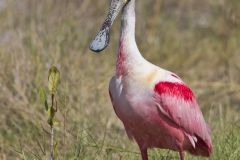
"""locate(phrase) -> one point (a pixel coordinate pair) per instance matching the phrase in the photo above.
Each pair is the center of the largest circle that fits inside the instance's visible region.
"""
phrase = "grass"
(198, 40)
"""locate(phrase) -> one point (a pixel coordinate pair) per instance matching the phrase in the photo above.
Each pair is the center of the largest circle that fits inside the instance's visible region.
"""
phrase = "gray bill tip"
(101, 40)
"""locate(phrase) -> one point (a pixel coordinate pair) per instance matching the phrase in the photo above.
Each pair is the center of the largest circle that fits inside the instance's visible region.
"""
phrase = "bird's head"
(101, 40)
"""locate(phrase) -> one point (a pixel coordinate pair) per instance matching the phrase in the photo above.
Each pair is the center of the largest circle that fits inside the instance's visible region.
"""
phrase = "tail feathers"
(202, 148)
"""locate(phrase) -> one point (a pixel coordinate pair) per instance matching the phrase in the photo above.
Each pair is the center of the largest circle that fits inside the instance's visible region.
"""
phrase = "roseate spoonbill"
(157, 108)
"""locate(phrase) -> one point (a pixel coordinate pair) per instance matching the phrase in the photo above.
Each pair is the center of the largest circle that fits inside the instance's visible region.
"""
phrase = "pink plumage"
(157, 108)
(178, 103)
(166, 117)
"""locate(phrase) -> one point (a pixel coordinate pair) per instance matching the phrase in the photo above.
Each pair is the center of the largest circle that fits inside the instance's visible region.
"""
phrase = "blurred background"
(198, 40)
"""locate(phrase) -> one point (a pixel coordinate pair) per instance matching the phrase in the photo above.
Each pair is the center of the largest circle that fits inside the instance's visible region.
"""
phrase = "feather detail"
(178, 103)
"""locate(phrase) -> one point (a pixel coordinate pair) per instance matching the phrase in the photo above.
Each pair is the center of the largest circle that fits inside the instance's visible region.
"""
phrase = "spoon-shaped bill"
(101, 40)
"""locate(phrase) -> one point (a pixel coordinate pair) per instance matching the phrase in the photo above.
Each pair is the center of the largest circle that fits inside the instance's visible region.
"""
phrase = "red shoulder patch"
(174, 89)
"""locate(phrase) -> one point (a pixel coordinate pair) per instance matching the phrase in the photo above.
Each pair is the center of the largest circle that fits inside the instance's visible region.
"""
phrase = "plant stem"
(52, 95)
(52, 130)
(52, 144)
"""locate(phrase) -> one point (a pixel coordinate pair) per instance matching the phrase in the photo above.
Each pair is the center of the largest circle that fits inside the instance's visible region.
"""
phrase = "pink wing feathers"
(178, 103)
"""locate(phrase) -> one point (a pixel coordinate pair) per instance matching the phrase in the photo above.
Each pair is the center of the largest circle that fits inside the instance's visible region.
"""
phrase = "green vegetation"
(198, 40)
(53, 82)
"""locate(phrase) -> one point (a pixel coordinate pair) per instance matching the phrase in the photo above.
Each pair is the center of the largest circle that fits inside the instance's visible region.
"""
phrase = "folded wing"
(177, 102)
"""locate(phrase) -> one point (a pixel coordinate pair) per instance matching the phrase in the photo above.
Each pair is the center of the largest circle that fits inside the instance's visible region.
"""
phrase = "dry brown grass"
(198, 40)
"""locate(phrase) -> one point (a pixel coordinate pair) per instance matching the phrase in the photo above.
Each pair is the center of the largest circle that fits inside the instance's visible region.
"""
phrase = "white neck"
(128, 21)
(128, 53)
